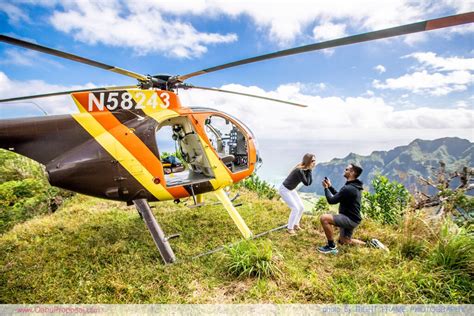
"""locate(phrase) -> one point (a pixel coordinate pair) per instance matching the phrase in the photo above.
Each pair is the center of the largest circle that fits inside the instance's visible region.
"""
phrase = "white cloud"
(53, 105)
(426, 118)
(438, 76)
(381, 69)
(432, 61)
(19, 57)
(311, 88)
(328, 31)
(150, 26)
(22, 57)
(436, 84)
(145, 30)
(414, 39)
(461, 29)
(328, 52)
(369, 93)
(14, 13)
(462, 104)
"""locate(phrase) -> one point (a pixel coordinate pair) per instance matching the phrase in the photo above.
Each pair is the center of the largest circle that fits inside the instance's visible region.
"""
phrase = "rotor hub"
(162, 82)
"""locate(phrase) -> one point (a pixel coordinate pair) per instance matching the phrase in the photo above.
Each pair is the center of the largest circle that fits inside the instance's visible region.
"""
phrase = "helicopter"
(111, 148)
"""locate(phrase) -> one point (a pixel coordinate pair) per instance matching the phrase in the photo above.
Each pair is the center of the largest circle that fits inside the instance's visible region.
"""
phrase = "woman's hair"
(306, 162)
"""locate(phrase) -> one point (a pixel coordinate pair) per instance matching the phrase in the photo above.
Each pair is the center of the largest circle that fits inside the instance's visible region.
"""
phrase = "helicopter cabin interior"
(228, 141)
(182, 153)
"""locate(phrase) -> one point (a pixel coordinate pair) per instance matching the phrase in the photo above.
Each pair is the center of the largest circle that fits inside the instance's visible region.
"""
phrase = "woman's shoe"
(291, 232)
(298, 227)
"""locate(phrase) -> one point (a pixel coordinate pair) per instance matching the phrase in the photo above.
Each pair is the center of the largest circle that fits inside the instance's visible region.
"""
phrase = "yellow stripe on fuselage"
(120, 153)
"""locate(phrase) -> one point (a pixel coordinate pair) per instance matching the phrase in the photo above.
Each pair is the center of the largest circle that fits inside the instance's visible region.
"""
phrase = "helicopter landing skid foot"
(155, 230)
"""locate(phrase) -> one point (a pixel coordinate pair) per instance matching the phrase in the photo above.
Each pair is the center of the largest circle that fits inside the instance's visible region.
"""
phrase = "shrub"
(261, 187)
(387, 203)
(22, 200)
(321, 206)
(24, 190)
(16, 167)
(460, 205)
(454, 250)
(252, 259)
(12, 192)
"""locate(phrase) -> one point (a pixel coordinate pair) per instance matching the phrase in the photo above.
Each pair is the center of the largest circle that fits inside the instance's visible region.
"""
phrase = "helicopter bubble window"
(229, 142)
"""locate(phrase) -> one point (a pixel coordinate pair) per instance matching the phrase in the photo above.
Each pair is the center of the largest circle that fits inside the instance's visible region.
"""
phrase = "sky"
(362, 97)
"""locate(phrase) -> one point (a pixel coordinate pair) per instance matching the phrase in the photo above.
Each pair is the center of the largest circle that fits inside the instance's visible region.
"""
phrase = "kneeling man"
(349, 199)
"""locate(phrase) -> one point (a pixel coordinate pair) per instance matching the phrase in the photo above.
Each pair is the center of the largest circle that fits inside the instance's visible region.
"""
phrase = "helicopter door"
(229, 141)
(181, 153)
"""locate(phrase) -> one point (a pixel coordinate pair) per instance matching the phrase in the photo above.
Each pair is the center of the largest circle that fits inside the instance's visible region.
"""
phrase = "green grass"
(454, 250)
(96, 251)
(252, 259)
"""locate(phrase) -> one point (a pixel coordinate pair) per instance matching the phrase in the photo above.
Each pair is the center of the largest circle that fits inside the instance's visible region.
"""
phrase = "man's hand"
(326, 183)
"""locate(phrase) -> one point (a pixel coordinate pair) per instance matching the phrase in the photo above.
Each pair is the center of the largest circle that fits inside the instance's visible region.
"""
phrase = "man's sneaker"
(327, 249)
(377, 244)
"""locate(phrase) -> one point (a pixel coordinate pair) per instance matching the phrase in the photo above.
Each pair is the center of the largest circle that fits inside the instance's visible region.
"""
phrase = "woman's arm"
(306, 176)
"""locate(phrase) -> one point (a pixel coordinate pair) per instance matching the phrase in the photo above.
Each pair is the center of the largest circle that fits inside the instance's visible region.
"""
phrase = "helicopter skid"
(155, 230)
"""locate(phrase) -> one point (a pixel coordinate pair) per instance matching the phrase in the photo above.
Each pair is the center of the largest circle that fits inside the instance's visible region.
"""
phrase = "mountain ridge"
(403, 163)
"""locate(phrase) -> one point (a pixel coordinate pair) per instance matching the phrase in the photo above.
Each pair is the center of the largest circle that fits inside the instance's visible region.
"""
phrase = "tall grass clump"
(454, 250)
(252, 259)
(259, 186)
(412, 248)
(415, 233)
(388, 202)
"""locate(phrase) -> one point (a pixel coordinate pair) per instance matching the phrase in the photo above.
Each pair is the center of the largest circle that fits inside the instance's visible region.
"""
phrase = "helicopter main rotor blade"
(370, 36)
(187, 86)
(66, 92)
(58, 53)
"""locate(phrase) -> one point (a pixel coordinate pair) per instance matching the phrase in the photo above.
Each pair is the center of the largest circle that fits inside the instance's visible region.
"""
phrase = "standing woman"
(301, 173)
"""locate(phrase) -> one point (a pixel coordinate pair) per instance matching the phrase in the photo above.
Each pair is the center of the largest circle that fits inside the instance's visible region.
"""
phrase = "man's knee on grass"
(345, 240)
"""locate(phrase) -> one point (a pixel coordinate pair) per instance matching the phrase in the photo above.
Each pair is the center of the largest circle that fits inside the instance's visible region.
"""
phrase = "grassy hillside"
(96, 251)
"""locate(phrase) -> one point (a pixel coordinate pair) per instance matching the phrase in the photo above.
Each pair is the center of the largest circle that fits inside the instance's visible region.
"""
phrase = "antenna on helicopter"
(34, 103)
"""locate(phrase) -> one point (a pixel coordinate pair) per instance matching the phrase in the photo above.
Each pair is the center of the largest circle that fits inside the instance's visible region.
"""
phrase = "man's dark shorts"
(345, 224)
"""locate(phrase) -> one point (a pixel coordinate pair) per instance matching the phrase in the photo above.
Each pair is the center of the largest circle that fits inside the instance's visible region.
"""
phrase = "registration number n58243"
(139, 100)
